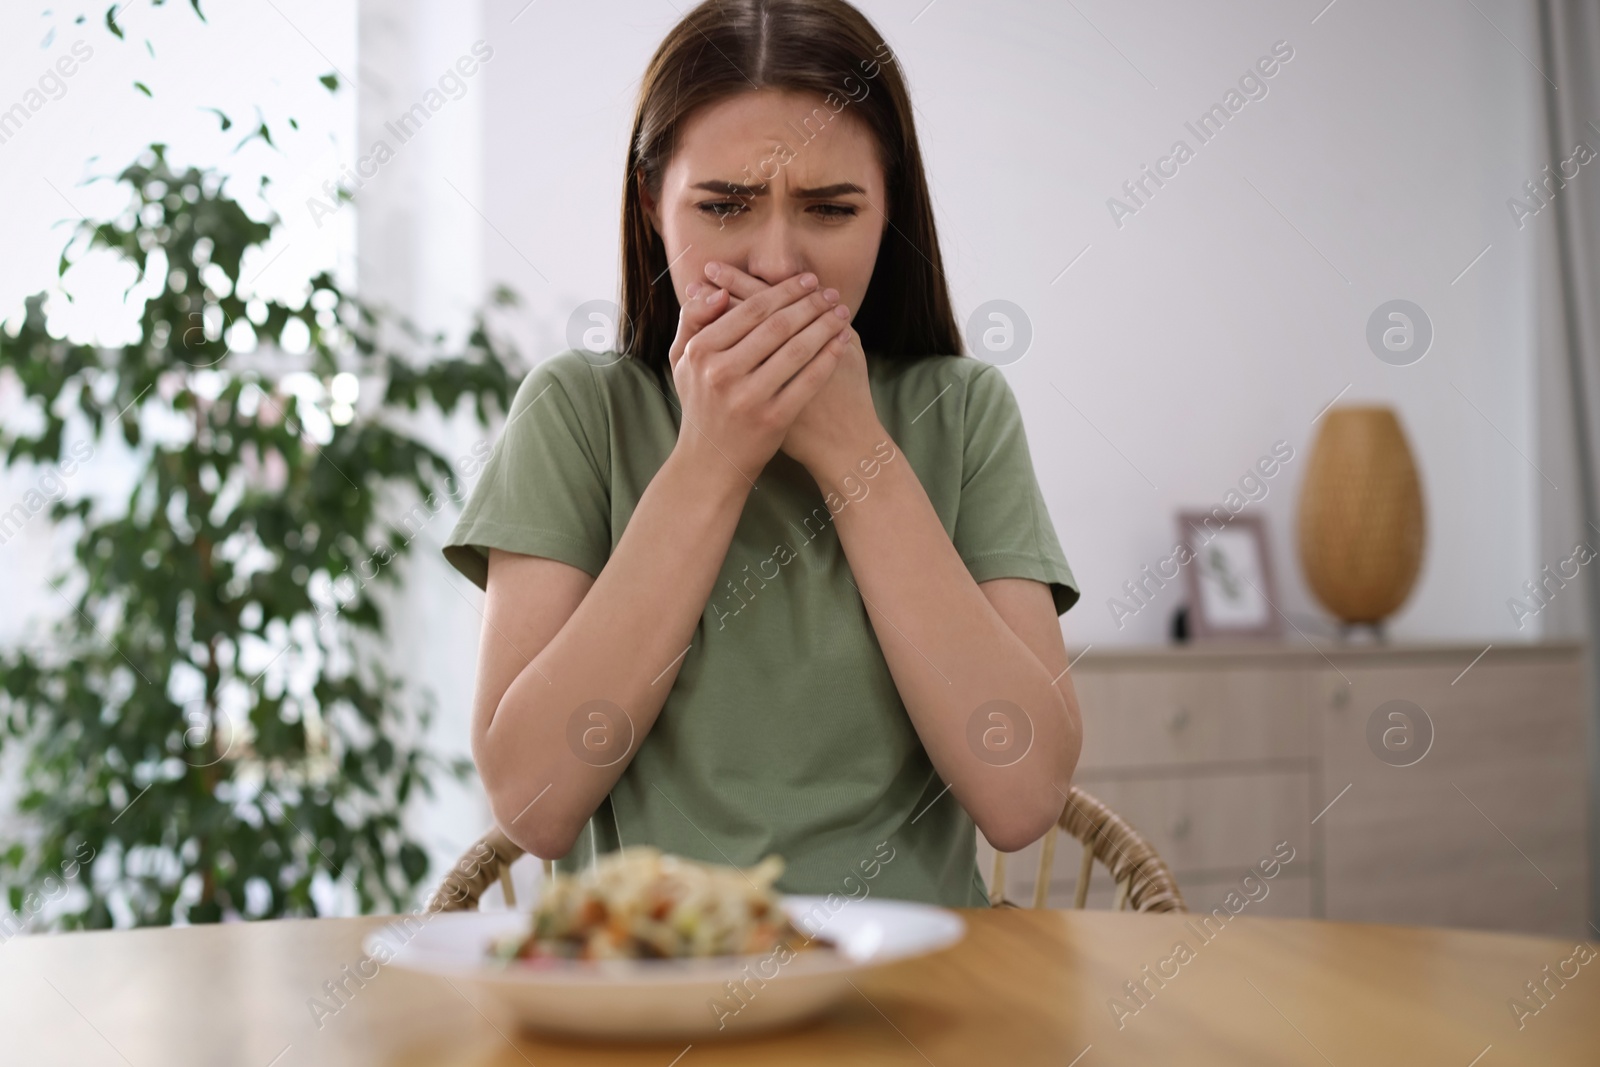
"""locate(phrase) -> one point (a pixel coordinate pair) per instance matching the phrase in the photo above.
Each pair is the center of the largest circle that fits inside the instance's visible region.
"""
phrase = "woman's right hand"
(743, 374)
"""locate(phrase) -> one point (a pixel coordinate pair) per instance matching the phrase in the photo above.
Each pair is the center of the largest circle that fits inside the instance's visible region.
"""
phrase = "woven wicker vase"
(1361, 516)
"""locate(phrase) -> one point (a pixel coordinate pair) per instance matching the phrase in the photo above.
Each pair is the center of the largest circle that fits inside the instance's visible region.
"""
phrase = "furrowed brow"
(821, 192)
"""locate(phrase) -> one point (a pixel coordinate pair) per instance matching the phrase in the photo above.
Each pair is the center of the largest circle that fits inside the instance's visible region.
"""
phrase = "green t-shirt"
(784, 732)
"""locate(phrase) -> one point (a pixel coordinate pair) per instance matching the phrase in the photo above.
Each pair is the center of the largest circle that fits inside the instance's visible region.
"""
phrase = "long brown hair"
(725, 47)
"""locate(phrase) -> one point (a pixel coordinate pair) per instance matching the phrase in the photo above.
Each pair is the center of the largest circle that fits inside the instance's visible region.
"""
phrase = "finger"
(810, 378)
(798, 350)
(739, 284)
(731, 328)
(769, 336)
(738, 295)
(699, 311)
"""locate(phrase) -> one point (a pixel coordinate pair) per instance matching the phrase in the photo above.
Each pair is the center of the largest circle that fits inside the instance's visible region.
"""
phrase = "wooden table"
(1024, 987)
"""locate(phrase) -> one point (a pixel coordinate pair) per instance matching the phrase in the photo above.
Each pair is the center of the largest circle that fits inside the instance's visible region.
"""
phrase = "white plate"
(645, 999)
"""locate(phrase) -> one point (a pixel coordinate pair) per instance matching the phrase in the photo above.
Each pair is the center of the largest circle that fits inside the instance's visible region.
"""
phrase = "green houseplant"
(212, 727)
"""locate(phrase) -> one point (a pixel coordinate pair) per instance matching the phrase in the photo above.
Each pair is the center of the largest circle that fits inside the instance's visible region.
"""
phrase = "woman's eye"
(724, 209)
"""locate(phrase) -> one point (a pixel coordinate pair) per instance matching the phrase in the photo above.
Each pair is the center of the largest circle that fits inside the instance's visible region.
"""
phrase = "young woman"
(776, 576)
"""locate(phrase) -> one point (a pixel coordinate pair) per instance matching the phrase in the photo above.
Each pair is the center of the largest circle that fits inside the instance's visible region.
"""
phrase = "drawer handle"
(1180, 829)
(1179, 721)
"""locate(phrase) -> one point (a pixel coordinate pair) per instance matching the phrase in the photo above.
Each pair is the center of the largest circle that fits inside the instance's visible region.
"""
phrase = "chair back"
(487, 861)
(1143, 880)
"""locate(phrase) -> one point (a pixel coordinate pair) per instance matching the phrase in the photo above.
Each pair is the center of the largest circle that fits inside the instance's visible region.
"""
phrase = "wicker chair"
(488, 860)
(1142, 878)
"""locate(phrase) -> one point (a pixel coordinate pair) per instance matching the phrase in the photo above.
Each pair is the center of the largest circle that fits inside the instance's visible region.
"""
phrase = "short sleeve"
(1003, 529)
(545, 489)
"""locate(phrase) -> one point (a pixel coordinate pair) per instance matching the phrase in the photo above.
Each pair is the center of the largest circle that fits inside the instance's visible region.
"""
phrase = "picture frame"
(1232, 589)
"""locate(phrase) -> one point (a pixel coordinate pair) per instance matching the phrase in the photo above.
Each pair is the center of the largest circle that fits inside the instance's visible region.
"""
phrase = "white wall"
(420, 250)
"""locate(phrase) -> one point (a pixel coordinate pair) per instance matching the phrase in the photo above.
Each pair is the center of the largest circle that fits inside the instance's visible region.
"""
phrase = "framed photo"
(1230, 582)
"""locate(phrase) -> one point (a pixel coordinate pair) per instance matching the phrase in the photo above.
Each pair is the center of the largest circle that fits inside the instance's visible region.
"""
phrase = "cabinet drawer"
(1288, 896)
(1141, 717)
(1486, 828)
(1212, 825)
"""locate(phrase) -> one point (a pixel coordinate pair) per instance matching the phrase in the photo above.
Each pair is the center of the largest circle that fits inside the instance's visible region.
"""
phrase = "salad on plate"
(641, 903)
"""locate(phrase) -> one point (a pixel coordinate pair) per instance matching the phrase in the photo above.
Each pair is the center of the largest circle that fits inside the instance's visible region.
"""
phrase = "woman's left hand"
(840, 424)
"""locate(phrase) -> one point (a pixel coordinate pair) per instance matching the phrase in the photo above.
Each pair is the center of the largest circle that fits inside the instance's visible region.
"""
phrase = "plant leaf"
(158, 589)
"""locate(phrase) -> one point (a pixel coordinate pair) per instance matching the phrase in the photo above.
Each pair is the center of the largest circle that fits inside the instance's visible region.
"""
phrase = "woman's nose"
(774, 252)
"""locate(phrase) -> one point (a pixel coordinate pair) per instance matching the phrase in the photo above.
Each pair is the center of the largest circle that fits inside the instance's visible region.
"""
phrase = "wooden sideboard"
(1217, 753)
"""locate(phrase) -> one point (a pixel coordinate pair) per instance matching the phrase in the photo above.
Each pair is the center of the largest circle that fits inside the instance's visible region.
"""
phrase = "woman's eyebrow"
(821, 192)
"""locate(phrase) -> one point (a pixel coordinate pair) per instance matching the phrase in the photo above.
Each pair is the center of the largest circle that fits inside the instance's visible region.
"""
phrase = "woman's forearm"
(955, 661)
(623, 645)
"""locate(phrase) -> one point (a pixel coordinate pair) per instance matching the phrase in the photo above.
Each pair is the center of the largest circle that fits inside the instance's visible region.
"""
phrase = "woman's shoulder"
(902, 379)
(591, 378)
(915, 368)
(572, 368)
